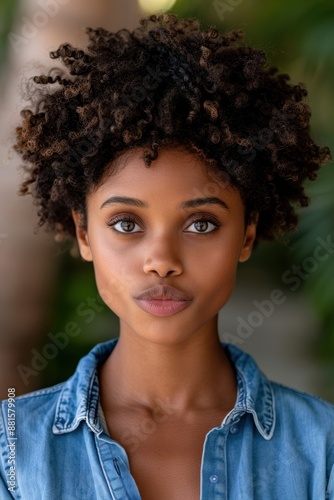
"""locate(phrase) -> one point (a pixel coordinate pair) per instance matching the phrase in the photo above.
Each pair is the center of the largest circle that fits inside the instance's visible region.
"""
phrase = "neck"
(193, 374)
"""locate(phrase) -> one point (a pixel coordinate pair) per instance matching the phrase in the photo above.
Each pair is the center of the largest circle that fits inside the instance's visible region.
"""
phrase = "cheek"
(114, 273)
(216, 275)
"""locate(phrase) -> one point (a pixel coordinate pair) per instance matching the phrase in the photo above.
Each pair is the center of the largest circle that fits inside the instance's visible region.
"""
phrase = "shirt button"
(213, 478)
(234, 429)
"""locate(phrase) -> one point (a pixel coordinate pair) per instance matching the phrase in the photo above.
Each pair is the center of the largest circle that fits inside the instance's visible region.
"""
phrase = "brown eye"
(127, 225)
(124, 225)
(201, 226)
(204, 225)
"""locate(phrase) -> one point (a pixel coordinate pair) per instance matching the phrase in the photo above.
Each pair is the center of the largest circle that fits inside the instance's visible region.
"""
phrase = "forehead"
(174, 168)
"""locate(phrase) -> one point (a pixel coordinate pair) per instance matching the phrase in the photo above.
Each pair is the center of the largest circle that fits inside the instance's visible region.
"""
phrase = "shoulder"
(73, 391)
(281, 411)
(303, 405)
(32, 408)
(40, 393)
(26, 430)
(287, 400)
(37, 396)
(305, 423)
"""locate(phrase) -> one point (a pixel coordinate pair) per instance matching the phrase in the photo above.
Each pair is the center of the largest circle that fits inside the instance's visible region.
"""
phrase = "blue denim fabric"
(276, 443)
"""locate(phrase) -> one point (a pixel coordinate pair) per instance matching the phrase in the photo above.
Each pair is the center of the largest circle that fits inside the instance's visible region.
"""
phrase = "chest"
(165, 453)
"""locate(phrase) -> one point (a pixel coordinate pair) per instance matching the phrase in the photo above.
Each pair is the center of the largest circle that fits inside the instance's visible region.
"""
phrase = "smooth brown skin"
(167, 382)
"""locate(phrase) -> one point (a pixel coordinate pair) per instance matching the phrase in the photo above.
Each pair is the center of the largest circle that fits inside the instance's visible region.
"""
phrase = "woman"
(168, 152)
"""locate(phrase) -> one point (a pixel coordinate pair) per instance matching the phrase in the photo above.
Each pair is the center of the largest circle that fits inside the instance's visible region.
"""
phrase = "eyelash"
(130, 218)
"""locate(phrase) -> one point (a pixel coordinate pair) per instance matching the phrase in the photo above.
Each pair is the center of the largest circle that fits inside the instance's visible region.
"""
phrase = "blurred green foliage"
(7, 14)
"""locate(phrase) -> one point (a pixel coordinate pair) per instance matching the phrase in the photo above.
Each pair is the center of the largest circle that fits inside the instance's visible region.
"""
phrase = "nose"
(162, 258)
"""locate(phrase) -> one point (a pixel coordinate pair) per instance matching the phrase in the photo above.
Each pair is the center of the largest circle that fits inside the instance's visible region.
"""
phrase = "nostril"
(163, 269)
(163, 274)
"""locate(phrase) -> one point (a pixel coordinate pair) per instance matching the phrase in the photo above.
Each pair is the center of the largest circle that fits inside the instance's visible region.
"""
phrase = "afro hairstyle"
(167, 83)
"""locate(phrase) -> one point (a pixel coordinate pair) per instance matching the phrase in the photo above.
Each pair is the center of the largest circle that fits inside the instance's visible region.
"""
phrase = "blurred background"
(282, 310)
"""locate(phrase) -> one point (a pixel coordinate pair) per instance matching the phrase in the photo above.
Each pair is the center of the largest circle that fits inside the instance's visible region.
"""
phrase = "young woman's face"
(159, 226)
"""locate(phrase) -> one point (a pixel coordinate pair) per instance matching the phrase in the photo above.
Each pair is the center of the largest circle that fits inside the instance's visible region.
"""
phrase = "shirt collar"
(255, 393)
(79, 396)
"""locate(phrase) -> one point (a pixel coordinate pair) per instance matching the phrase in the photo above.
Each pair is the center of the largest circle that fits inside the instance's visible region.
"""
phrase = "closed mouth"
(163, 292)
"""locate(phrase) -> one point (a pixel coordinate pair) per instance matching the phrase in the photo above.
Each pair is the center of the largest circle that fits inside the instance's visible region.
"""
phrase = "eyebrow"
(195, 203)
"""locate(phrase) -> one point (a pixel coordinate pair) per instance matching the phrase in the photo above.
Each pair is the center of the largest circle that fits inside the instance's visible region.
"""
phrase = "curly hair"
(166, 83)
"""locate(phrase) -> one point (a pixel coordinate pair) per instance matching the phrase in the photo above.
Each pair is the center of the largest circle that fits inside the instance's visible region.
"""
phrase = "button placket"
(213, 470)
(115, 468)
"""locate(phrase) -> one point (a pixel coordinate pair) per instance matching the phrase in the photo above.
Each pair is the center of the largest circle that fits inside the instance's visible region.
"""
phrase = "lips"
(163, 300)
(163, 292)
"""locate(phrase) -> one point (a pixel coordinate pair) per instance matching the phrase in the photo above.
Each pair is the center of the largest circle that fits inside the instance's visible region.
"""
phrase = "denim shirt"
(276, 443)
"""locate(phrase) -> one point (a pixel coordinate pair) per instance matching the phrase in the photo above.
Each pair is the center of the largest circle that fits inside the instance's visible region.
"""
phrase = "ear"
(82, 237)
(248, 243)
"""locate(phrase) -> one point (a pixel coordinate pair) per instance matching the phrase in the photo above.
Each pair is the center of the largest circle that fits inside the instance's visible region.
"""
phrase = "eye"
(126, 225)
(205, 225)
